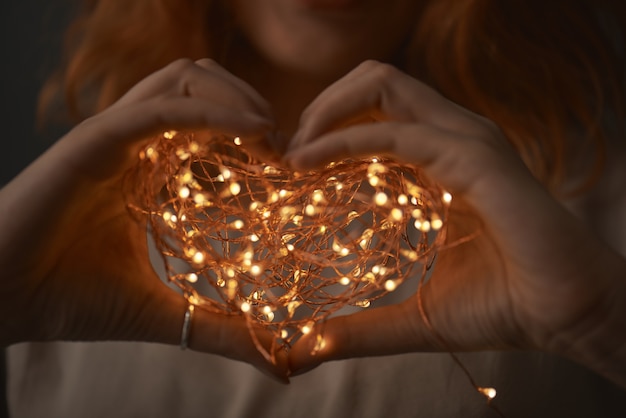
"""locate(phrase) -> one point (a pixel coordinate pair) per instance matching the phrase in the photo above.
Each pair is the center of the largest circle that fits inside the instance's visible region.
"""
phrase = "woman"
(318, 71)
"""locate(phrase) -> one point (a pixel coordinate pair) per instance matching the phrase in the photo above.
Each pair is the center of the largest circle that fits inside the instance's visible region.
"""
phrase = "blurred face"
(325, 38)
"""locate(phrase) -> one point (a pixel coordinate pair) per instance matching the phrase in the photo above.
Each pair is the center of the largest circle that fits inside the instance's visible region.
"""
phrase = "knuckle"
(207, 63)
(179, 65)
(380, 70)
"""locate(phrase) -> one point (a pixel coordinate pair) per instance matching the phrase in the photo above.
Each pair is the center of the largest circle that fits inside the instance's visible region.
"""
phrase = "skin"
(537, 288)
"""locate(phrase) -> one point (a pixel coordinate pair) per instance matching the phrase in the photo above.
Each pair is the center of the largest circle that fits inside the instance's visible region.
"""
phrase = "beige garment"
(67, 380)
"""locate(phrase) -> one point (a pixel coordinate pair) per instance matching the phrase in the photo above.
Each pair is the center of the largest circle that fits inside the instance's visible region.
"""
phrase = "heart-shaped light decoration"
(284, 250)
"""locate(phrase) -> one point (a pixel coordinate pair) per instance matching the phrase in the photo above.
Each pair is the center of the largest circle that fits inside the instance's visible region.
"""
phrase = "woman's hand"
(535, 277)
(74, 265)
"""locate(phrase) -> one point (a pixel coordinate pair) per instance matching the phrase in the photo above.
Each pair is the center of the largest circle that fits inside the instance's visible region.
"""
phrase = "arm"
(74, 263)
(535, 278)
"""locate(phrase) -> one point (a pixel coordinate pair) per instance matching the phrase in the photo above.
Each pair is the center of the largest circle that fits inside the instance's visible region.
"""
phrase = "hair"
(549, 73)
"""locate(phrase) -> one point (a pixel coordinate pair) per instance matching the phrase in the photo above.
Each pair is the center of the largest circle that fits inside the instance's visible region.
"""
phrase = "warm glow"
(285, 250)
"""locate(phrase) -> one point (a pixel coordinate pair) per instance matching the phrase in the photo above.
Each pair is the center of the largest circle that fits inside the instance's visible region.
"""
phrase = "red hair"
(547, 72)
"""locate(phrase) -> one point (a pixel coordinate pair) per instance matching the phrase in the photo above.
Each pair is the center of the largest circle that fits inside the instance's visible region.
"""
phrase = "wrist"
(598, 342)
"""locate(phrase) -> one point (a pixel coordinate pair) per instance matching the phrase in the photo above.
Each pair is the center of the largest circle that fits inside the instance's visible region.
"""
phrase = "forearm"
(599, 342)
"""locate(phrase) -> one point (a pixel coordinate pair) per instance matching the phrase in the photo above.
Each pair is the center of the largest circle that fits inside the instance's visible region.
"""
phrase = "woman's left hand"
(535, 278)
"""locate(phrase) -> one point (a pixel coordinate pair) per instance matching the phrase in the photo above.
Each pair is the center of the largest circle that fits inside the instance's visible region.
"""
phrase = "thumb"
(209, 332)
(373, 332)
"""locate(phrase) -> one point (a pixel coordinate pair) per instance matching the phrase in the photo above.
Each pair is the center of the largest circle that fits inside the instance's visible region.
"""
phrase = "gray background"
(31, 42)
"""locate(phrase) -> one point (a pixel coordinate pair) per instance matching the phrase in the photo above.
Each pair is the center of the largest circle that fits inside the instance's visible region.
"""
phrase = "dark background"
(32, 39)
(31, 44)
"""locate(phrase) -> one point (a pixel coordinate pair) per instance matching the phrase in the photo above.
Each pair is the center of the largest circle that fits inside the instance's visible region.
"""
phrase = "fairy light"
(284, 250)
(489, 393)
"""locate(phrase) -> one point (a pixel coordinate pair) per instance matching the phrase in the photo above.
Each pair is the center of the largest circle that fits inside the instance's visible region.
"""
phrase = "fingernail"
(302, 370)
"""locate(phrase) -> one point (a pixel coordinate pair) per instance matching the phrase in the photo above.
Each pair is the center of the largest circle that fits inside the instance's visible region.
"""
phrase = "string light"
(284, 250)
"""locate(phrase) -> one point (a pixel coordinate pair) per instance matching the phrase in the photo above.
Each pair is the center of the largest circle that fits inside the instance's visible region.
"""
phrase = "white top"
(150, 380)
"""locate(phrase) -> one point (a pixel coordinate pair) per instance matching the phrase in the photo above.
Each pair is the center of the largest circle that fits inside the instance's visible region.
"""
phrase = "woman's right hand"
(74, 264)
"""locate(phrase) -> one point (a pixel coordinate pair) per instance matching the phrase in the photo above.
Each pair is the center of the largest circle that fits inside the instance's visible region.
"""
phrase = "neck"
(288, 92)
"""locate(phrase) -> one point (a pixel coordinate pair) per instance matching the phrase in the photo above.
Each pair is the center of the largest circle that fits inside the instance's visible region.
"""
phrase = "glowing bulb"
(192, 277)
(447, 198)
(245, 307)
(199, 199)
(198, 257)
(390, 285)
(363, 303)
(396, 215)
(490, 393)
(307, 328)
(381, 198)
(238, 224)
(403, 199)
(187, 177)
(344, 281)
(234, 188)
(237, 140)
(320, 343)
(376, 168)
(169, 134)
(255, 270)
(184, 192)
(318, 196)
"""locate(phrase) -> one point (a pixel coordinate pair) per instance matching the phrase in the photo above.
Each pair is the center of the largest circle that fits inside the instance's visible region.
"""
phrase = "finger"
(108, 142)
(374, 332)
(223, 335)
(379, 91)
(203, 79)
(421, 145)
(479, 170)
(261, 105)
